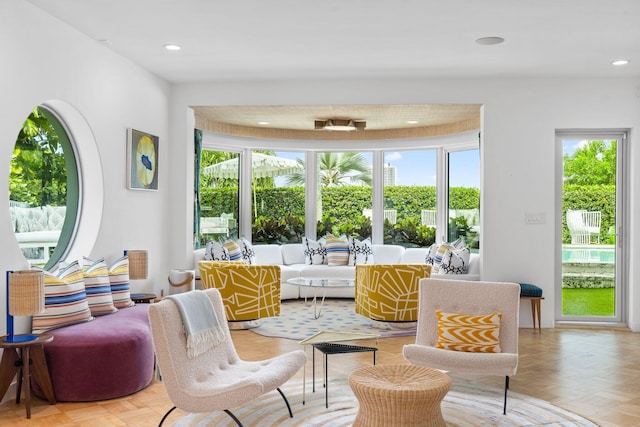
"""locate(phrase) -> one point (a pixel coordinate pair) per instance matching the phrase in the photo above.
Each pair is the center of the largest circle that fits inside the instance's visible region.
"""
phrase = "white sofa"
(290, 258)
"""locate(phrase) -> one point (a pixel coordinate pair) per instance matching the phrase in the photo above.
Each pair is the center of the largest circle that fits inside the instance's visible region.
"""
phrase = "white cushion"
(292, 253)
(414, 256)
(268, 254)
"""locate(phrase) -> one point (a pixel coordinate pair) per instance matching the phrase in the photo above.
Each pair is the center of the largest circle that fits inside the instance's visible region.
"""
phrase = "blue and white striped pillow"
(337, 250)
(97, 286)
(65, 300)
(119, 281)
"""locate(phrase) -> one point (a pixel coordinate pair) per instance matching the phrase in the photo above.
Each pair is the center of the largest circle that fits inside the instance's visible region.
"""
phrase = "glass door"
(591, 287)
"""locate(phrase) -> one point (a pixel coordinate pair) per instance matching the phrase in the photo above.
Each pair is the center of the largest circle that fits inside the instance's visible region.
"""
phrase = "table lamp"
(25, 297)
(137, 264)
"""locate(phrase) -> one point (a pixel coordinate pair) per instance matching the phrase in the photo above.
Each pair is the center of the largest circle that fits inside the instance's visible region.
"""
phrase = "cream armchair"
(469, 299)
(249, 292)
(216, 379)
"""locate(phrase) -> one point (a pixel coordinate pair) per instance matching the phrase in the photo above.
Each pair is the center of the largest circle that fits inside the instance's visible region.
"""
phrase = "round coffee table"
(320, 284)
(402, 395)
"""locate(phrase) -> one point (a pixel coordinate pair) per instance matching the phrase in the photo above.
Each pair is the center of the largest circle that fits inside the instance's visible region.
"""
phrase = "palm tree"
(337, 169)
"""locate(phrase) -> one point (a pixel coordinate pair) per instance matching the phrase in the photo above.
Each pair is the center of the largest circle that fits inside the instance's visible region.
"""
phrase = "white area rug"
(338, 315)
(462, 407)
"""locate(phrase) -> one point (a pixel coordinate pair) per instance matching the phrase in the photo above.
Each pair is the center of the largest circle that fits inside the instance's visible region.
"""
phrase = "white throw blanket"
(200, 322)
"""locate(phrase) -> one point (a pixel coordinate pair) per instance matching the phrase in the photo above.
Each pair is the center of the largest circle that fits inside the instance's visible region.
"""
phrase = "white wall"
(44, 60)
(520, 117)
(111, 94)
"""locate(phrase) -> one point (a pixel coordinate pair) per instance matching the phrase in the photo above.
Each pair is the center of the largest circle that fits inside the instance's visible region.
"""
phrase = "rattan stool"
(399, 395)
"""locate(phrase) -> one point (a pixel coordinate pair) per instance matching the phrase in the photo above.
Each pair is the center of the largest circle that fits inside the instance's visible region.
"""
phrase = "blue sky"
(419, 167)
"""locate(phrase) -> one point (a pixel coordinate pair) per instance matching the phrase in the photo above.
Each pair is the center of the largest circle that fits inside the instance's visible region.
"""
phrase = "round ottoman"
(399, 395)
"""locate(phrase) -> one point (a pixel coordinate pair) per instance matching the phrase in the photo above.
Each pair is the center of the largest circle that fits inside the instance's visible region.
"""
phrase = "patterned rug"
(464, 406)
(296, 321)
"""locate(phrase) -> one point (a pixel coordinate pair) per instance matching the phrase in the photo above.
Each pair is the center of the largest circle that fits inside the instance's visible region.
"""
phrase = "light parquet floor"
(592, 372)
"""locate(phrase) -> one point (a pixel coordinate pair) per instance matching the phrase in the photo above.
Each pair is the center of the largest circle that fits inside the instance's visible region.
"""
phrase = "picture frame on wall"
(142, 160)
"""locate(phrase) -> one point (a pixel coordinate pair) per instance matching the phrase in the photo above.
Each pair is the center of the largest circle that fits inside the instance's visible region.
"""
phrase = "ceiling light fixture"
(620, 62)
(264, 123)
(488, 41)
(171, 46)
(412, 122)
(340, 124)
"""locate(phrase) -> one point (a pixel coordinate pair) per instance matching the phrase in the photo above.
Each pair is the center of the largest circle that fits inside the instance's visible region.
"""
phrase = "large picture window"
(425, 194)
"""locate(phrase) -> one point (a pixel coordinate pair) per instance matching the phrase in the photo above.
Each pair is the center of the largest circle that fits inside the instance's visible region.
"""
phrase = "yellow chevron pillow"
(462, 332)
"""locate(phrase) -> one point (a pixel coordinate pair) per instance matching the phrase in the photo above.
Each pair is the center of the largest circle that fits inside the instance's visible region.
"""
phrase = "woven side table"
(399, 395)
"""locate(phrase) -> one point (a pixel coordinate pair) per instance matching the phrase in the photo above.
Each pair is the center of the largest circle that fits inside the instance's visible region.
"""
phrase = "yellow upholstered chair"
(249, 292)
(389, 292)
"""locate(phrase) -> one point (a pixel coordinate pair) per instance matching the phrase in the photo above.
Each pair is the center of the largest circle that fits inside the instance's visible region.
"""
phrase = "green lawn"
(588, 302)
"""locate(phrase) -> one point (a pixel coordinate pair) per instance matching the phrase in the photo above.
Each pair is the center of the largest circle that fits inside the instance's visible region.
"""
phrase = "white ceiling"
(287, 39)
(241, 40)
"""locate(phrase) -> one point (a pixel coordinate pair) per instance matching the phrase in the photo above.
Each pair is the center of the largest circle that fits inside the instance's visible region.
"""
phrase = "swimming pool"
(597, 254)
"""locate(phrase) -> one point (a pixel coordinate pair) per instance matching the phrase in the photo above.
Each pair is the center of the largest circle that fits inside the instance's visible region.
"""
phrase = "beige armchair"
(216, 379)
(470, 299)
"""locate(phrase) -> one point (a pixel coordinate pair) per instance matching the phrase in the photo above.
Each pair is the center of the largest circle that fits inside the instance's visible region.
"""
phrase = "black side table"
(334, 348)
(143, 298)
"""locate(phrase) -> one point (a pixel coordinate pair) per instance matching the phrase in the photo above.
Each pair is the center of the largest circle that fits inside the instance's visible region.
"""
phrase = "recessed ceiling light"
(172, 47)
(487, 41)
(620, 62)
(264, 123)
(412, 122)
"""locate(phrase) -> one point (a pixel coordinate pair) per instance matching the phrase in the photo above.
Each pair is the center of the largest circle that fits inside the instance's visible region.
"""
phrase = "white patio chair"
(577, 227)
(593, 220)
(428, 217)
(391, 215)
(214, 225)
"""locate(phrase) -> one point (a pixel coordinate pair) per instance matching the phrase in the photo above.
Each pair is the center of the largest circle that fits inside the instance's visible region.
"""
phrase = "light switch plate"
(535, 218)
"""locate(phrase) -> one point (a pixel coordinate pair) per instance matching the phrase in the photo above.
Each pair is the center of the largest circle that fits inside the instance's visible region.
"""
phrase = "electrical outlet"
(534, 218)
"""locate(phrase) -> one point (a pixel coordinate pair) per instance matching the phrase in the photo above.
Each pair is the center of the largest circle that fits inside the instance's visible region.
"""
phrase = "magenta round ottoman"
(108, 357)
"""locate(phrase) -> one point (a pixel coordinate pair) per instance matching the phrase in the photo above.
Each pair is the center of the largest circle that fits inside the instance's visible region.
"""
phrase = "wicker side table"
(399, 395)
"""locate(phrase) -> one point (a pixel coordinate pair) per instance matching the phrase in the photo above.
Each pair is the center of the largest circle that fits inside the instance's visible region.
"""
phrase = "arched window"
(43, 188)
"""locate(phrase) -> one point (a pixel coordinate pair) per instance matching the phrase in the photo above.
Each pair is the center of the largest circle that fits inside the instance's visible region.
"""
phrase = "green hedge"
(343, 202)
(286, 205)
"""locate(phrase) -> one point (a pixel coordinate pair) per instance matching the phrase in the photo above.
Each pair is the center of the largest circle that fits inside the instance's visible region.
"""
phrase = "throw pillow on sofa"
(233, 248)
(65, 300)
(119, 281)
(455, 261)
(360, 252)
(337, 250)
(437, 250)
(97, 286)
(215, 252)
(315, 252)
(246, 248)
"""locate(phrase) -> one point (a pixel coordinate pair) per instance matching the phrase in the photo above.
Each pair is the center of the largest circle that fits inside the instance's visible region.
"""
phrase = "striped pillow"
(119, 281)
(98, 286)
(65, 300)
(463, 332)
(337, 250)
(233, 248)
